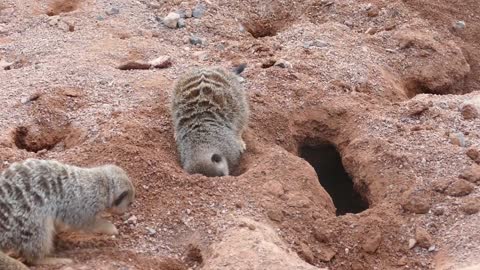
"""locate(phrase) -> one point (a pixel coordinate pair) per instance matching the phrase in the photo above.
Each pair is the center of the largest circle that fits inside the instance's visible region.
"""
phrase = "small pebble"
(163, 61)
(194, 40)
(283, 63)
(431, 248)
(33, 97)
(471, 206)
(402, 261)
(471, 174)
(474, 154)
(5, 65)
(112, 11)
(423, 238)
(151, 231)
(131, 220)
(54, 20)
(326, 254)
(199, 10)
(306, 253)
(181, 23)
(459, 25)
(470, 109)
(171, 20)
(457, 138)
(371, 31)
(373, 11)
(411, 243)
(438, 211)
(460, 188)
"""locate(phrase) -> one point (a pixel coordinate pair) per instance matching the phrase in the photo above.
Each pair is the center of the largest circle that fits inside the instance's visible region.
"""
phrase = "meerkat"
(210, 113)
(36, 195)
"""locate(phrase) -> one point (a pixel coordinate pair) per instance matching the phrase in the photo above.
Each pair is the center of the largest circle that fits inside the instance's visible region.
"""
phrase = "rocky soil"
(393, 86)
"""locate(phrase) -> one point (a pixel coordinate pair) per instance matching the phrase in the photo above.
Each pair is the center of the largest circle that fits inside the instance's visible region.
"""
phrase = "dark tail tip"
(239, 69)
(216, 158)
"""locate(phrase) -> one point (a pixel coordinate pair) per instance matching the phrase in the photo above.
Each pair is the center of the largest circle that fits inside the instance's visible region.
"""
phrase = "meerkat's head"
(208, 163)
(121, 190)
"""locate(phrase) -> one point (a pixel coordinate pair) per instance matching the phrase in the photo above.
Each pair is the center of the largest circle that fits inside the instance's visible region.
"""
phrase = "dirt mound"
(257, 242)
(361, 148)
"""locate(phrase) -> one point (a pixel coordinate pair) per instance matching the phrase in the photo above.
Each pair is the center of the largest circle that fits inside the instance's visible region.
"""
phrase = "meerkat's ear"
(239, 69)
(120, 198)
(216, 158)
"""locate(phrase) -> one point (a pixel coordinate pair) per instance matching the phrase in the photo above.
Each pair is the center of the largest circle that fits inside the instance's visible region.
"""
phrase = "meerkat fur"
(210, 113)
(37, 195)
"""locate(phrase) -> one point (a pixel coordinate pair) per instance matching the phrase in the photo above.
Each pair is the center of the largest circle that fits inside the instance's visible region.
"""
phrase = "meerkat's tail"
(9, 263)
(239, 69)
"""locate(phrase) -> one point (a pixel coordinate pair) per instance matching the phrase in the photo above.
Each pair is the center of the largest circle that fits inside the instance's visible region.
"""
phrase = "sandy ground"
(394, 86)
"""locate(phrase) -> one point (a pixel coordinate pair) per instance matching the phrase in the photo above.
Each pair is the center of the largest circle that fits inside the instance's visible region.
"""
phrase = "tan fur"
(37, 196)
(210, 113)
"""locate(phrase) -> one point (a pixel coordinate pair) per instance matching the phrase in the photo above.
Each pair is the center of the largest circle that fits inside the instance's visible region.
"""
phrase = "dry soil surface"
(393, 86)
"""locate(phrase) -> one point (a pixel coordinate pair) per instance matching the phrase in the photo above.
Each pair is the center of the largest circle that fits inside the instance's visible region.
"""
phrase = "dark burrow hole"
(327, 162)
(24, 140)
(46, 138)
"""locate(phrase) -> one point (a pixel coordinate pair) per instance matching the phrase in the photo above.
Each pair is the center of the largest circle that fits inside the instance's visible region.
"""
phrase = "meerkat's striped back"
(209, 108)
(26, 186)
(208, 97)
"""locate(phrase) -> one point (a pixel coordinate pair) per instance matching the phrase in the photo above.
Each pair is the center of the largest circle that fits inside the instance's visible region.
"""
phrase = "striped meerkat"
(36, 195)
(210, 113)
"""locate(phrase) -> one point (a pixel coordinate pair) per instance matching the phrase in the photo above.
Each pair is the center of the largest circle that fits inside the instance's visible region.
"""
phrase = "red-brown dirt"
(385, 82)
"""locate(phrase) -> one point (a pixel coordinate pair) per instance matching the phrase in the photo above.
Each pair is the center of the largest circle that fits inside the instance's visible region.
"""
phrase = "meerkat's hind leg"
(41, 244)
(103, 226)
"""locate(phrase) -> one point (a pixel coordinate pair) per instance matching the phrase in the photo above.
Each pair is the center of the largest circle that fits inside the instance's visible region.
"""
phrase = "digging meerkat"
(36, 195)
(210, 113)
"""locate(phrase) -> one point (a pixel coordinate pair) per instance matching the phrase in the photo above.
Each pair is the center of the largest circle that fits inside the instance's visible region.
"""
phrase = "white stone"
(171, 20)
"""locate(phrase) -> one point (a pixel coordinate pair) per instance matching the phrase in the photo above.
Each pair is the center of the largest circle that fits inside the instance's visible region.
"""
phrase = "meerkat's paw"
(243, 145)
(52, 261)
(104, 227)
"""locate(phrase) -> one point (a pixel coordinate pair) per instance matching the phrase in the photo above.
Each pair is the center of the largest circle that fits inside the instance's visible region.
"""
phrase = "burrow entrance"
(327, 162)
(46, 138)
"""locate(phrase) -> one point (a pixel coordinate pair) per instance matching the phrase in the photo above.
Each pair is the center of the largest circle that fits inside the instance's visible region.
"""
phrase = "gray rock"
(194, 40)
(171, 20)
(185, 13)
(459, 25)
(199, 10)
(181, 23)
(112, 11)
